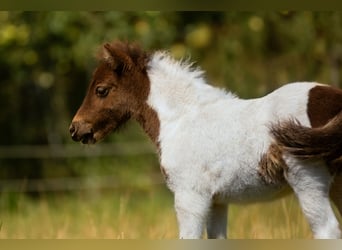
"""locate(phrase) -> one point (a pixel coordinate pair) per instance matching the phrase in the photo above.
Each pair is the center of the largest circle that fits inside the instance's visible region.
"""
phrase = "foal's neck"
(176, 88)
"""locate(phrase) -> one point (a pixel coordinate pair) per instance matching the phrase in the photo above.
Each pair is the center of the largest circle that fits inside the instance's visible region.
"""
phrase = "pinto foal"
(216, 148)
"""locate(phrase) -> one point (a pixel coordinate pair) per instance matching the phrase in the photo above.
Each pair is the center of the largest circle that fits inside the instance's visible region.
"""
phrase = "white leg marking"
(310, 181)
(192, 210)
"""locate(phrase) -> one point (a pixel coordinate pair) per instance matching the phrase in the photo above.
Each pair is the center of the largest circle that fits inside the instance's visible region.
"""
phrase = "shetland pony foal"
(215, 148)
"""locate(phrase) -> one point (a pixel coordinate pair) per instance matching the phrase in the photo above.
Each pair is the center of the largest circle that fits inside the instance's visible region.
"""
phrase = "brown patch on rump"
(324, 103)
(272, 167)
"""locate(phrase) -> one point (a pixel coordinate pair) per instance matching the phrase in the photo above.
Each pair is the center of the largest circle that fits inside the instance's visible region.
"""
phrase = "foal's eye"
(102, 91)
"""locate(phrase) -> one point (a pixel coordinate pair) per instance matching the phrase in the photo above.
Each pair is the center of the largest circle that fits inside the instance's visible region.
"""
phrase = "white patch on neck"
(175, 87)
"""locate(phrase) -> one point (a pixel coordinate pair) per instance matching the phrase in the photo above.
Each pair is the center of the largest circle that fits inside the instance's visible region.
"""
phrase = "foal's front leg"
(192, 211)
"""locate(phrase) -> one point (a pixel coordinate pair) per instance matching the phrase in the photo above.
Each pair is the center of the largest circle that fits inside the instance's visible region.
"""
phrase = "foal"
(216, 148)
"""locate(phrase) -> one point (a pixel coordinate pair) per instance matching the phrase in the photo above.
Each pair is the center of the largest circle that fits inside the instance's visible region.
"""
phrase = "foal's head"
(117, 91)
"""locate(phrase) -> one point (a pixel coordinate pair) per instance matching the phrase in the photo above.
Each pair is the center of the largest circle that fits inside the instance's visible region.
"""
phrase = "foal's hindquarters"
(313, 185)
(310, 179)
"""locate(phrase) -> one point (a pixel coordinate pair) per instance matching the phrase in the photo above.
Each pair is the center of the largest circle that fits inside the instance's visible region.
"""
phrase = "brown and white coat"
(216, 148)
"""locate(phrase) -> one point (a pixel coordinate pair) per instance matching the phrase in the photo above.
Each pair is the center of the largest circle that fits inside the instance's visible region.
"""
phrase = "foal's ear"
(117, 58)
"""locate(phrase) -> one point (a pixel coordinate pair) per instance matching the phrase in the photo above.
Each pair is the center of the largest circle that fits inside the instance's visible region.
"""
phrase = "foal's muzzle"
(82, 131)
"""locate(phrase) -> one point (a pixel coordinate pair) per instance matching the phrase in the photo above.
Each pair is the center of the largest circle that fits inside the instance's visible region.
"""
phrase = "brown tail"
(312, 143)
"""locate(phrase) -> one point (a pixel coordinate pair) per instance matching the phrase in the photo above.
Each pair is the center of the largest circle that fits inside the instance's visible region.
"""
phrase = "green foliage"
(47, 59)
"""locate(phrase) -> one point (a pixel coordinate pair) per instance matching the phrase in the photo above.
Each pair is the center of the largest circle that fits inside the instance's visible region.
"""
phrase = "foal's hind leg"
(336, 192)
(310, 181)
(217, 222)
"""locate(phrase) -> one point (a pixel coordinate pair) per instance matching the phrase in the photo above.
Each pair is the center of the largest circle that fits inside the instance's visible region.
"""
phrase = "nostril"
(72, 129)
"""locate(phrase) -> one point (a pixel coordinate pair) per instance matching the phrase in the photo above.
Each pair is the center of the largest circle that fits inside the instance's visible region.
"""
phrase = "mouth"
(88, 133)
(94, 137)
(88, 139)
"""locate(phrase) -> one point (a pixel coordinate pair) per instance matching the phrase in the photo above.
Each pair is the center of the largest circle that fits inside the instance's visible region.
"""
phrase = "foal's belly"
(252, 192)
(266, 194)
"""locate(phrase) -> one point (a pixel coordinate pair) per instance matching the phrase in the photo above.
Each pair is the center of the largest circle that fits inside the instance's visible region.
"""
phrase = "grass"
(87, 215)
(279, 219)
(135, 214)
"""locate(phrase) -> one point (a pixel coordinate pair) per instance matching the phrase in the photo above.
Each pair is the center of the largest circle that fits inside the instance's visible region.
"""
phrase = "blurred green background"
(46, 60)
